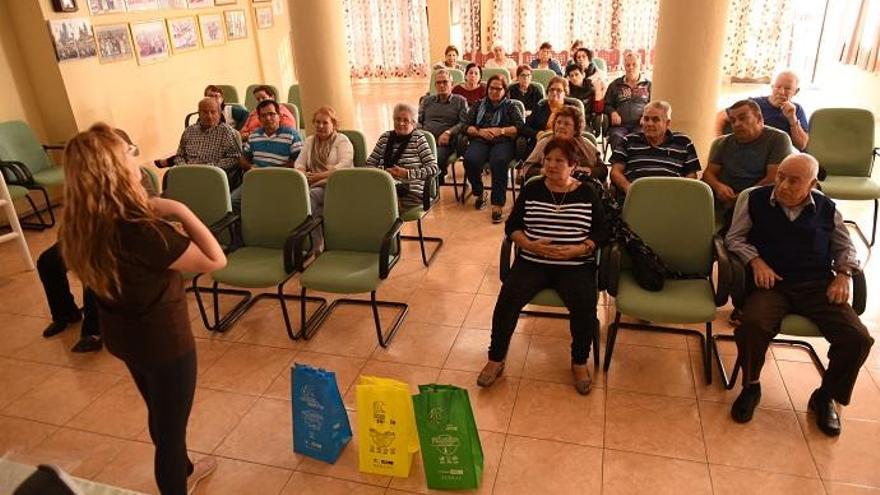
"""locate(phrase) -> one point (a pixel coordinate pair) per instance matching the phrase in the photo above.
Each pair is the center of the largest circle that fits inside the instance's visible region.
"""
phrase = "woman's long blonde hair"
(100, 191)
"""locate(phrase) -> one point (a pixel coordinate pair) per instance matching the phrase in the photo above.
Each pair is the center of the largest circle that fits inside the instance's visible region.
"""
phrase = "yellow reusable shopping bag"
(386, 425)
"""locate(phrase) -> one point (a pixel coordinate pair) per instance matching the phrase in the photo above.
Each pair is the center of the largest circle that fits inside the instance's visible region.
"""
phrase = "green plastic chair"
(205, 191)
(487, 73)
(543, 77)
(25, 162)
(361, 245)
(431, 196)
(842, 139)
(250, 102)
(456, 75)
(793, 324)
(153, 177)
(275, 219)
(296, 115)
(293, 95)
(675, 217)
(359, 143)
(230, 94)
(570, 101)
(600, 64)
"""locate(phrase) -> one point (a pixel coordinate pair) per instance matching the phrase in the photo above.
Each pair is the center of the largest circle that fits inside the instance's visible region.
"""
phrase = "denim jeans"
(499, 156)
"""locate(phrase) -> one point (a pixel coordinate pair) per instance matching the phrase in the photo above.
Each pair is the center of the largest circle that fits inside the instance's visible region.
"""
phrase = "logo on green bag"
(447, 445)
(437, 416)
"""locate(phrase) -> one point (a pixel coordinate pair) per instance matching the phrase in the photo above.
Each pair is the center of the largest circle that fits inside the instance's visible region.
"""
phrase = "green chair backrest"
(152, 177)
(676, 218)
(202, 188)
(274, 202)
(230, 94)
(521, 105)
(487, 73)
(250, 102)
(571, 101)
(600, 64)
(842, 139)
(296, 115)
(540, 88)
(293, 95)
(432, 142)
(359, 143)
(18, 142)
(456, 75)
(591, 138)
(542, 77)
(360, 206)
(462, 64)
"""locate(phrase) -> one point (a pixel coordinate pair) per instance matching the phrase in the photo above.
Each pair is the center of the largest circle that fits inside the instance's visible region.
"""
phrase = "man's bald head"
(795, 178)
(209, 112)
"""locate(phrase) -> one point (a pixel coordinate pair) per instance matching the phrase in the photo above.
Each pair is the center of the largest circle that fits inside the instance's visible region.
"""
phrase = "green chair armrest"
(48, 147)
(224, 223)
(507, 249)
(431, 191)
(16, 173)
(860, 291)
(610, 267)
(385, 263)
(722, 291)
(295, 242)
(738, 275)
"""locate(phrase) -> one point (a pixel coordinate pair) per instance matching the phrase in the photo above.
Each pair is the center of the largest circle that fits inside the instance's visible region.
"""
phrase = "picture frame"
(236, 24)
(200, 4)
(172, 4)
(220, 3)
(212, 30)
(150, 41)
(141, 5)
(73, 38)
(64, 6)
(114, 43)
(100, 7)
(261, 1)
(264, 16)
(183, 33)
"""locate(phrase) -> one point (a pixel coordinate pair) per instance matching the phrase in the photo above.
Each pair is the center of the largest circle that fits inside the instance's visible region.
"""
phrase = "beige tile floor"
(650, 426)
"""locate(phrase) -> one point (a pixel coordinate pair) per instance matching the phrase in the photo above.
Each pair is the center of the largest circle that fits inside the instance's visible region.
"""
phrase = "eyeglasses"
(441, 82)
(268, 114)
(556, 90)
(496, 88)
(402, 120)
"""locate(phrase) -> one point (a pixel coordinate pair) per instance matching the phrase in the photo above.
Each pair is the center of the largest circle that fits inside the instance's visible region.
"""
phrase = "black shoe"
(481, 200)
(744, 405)
(736, 317)
(826, 416)
(60, 325)
(496, 216)
(89, 343)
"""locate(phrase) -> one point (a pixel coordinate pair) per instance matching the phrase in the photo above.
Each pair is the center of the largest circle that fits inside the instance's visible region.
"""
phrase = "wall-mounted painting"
(114, 43)
(172, 4)
(141, 5)
(264, 16)
(184, 33)
(236, 24)
(225, 2)
(98, 7)
(150, 41)
(211, 26)
(73, 38)
(198, 4)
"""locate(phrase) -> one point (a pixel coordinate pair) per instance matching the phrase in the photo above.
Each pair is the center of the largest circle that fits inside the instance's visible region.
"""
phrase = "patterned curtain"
(469, 11)
(387, 38)
(758, 38)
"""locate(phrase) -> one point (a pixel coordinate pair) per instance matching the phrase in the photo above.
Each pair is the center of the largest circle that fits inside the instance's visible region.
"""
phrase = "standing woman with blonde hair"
(116, 241)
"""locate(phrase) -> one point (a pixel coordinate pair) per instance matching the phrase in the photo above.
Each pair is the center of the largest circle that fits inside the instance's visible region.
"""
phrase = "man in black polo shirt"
(801, 258)
(653, 151)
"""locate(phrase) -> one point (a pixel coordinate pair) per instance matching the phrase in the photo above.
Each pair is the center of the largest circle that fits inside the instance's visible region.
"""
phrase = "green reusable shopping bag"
(451, 451)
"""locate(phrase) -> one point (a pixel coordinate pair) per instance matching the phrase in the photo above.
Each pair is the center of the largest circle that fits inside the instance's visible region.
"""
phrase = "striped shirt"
(418, 160)
(674, 157)
(562, 218)
(276, 150)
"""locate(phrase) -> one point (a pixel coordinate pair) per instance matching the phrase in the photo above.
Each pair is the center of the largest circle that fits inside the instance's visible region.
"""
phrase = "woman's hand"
(397, 172)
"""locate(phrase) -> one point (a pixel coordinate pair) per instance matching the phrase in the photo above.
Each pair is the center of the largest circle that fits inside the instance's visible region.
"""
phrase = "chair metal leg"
(215, 292)
(707, 353)
(422, 240)
(37, 212)
(612, 337)
(319, 318)
(728, 381)
(861, 233)
(565, 316)
(743, 364)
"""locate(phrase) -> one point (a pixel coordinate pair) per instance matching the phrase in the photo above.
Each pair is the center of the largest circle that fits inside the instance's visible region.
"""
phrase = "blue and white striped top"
(276, 150)
(674, 157)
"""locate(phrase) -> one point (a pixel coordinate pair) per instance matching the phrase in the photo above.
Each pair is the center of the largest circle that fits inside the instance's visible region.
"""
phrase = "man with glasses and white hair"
(443, 114)
(778, 110)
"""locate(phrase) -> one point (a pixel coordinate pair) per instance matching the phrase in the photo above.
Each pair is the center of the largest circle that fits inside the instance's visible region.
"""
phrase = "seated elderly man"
(801, 257)
(233, 115)
(252, 123)
(443, 114)
(625, 99)
(778, 110)
(211, 142)
(653, 151)
(272, 145)
(748, 157)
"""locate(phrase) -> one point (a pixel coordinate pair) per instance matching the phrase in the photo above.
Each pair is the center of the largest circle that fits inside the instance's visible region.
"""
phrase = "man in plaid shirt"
(211, 142)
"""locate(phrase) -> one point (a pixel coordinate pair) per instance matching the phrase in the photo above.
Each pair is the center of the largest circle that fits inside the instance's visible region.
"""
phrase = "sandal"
(583, 384)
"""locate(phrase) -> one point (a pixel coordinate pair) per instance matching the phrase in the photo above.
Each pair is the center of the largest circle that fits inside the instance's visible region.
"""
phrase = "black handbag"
(649, 269)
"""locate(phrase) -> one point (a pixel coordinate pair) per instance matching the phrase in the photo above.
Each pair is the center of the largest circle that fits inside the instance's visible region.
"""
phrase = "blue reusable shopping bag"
(320, 423)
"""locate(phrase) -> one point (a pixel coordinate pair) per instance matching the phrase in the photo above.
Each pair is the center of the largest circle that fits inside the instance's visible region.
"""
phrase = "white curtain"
(387, 38)
(758, 38)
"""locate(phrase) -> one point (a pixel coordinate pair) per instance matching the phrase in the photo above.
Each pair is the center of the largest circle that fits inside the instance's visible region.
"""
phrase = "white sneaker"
(201, 470)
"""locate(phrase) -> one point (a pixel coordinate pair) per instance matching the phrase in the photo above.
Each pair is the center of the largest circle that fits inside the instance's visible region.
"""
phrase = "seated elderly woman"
(523, 89)
(541, 119)
(322, 154)
(450, 59)
(491, 126)
(406, 155)
(558, 223)
(568, 123)
(499, 60)
(544, 59)
(471, 89)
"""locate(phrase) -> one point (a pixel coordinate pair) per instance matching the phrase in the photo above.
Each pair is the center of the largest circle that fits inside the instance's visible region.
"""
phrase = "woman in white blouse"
(500, 61)
(322, 154)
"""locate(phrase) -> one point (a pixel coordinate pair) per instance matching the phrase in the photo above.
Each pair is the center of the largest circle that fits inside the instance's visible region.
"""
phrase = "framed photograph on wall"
(142, 5)
(184, 33)
(73, 38)
(114, 43)
(264, 17)
(198, 4)
(150, 41)
(213, 32)
(64, 6)
(172, 4)
(98, 7)
(225, 2)
(236, 24)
